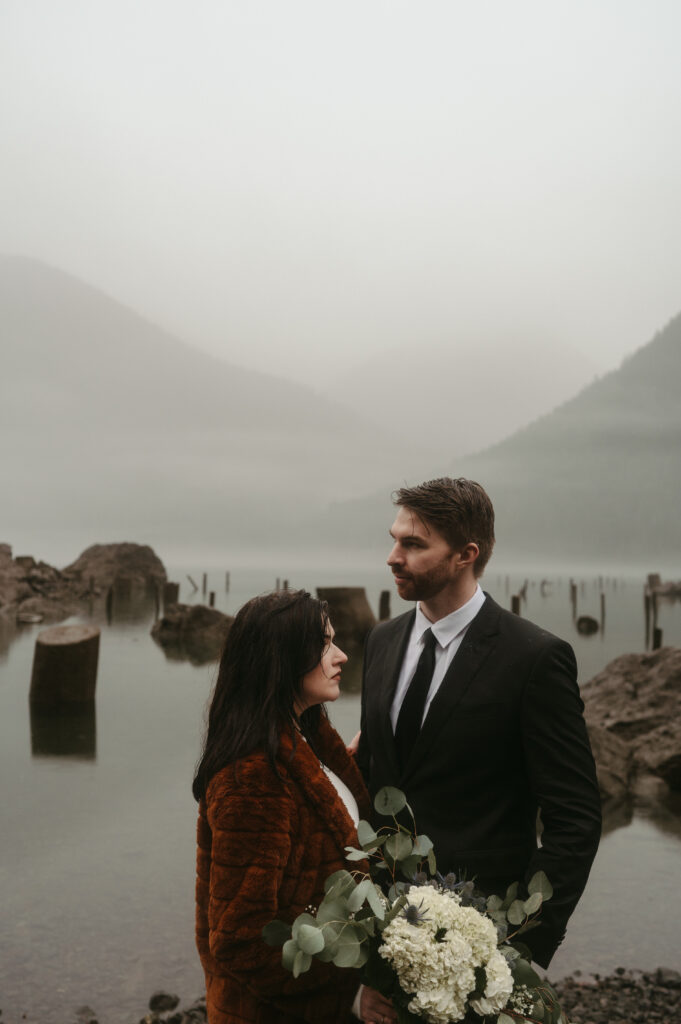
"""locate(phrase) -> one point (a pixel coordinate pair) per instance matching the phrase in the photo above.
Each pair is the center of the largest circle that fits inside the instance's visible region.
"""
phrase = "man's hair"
(458, 509)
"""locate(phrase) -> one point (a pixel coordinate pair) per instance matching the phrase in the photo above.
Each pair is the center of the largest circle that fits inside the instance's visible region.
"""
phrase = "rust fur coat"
(265, 849)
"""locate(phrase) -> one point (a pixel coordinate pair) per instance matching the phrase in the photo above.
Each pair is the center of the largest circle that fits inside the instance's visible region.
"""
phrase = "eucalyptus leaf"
(398, 846)
(300, 921)
(504, 1018)
(332, 910)
(348, 951)
(363, 956)
(339, 881)
(494, 903)
(524, 974)
(432, 863)
(422, 846)
(354, 854)
(365, 833)
(310, 939)
(516, 912)
(301, 963)
(356, 899)
(410, 866)
(540, 883)
(289, 953)
(511, 894)
(390, 801)
(533, 903)
(538, 1010)
(276, 933)
(375, 902)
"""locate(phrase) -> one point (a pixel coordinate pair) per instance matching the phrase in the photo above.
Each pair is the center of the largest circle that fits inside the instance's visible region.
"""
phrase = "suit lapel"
(477, 646)
(396, 646)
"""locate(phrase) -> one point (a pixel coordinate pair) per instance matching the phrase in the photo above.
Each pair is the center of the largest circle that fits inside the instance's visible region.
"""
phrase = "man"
(475, 714)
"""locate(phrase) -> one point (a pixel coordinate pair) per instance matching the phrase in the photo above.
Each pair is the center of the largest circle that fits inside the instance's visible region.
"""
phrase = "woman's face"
(323, 682)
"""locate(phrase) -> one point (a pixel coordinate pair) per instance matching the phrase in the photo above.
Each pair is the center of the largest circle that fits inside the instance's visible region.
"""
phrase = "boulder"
(614, 765)
(32, 589)
(108, 562)
(192, 632)
(637, 699)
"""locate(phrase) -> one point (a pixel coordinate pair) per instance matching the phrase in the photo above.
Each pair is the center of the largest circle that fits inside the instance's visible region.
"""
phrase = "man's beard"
(424, 585)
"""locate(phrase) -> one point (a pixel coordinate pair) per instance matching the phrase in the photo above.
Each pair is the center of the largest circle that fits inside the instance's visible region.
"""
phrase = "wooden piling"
(227, 581)
(384, 606)
(65, 666)
(204, 584)
(657, 638)
(515, 604)
(193, 583)
(211, 599)
(602, 611)
(285, 585)
(171, 593)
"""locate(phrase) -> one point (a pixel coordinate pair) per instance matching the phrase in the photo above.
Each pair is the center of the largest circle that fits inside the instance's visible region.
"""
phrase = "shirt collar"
(445, 630)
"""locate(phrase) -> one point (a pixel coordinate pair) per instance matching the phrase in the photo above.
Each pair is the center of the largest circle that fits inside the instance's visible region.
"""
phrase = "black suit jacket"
(503, 737)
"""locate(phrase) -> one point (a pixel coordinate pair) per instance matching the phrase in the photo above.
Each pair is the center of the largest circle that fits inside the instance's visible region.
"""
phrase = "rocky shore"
(31, 590)
(624, 997)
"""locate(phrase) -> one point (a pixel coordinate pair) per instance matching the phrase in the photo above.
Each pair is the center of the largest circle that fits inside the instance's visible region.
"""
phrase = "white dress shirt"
(449, 632)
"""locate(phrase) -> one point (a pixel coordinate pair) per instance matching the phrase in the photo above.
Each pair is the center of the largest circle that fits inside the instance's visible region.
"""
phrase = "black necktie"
(411, 713)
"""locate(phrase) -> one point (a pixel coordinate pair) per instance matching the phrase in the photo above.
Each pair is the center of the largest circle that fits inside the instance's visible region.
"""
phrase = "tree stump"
(65, 666)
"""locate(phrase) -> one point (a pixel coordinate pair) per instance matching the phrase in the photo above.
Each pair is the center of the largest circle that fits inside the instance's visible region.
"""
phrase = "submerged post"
(65, 666)
(515, 604)
(384, 606)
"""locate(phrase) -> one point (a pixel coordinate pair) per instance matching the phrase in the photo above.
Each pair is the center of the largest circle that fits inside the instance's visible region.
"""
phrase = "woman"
(279, 799)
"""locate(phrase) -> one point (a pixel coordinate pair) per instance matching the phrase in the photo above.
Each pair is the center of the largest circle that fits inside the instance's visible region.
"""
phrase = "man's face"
(421, 560)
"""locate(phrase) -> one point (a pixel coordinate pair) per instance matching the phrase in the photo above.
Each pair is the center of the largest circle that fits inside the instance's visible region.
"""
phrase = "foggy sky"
(298, 185)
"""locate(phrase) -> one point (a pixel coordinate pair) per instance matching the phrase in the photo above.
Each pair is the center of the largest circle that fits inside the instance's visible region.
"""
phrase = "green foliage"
(390, 801)
(516, 912)
(346, 928)
(310, 939)
(398, 846)
(539, 883)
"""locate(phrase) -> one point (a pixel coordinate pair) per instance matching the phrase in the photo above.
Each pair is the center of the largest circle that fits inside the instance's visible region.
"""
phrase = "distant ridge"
(110, 426)
(596, 480)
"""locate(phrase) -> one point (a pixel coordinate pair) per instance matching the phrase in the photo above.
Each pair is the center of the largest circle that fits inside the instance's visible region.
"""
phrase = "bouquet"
(435, 946)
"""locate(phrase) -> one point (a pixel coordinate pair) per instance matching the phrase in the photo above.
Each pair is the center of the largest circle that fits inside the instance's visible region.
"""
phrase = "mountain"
(111, 428)
(468, 391)
(596, 481)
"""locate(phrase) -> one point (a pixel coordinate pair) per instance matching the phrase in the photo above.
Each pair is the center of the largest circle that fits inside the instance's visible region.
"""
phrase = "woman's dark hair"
(274, 641)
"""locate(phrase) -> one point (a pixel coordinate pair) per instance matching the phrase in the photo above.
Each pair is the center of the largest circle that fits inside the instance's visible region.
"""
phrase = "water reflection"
(127, 602)
(67, 734)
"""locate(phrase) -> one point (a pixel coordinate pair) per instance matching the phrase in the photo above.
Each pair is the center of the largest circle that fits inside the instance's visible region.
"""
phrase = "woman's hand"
(353, 744)
(375, 1008)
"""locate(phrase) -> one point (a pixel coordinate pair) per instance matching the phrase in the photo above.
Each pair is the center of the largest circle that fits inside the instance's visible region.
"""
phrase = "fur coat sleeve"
(265, 848)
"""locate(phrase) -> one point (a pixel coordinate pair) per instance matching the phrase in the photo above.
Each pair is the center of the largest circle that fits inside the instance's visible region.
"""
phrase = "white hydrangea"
(441, 974)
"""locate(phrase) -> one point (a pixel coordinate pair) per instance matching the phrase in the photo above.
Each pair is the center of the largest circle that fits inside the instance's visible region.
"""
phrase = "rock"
(33, 588)
(614, 765)
(637, 698)
(586, 625)
(161, 1002)
(667, 978)
(86, 1015)
(194, 632)
(107, 562)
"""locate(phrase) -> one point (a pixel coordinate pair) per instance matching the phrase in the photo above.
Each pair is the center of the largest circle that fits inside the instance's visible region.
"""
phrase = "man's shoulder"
(517, 628)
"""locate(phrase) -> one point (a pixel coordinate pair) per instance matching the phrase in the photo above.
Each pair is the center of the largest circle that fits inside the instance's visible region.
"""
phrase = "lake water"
(97, 868)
